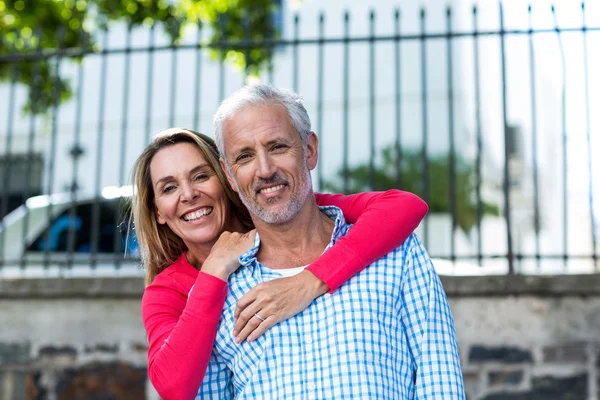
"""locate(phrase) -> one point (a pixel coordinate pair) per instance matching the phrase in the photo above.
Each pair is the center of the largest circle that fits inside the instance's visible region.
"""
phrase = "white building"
(178, 107)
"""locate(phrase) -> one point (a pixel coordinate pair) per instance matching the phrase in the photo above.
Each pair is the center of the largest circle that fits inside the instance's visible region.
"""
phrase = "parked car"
(59, 235)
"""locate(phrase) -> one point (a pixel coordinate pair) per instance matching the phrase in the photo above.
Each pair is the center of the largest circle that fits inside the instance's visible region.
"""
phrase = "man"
(386, 334)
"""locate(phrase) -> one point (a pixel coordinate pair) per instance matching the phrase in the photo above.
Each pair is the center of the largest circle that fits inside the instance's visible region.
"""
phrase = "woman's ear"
(159, 218)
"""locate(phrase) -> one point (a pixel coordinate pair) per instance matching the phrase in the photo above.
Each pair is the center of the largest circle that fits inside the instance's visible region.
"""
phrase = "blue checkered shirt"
(385, 334)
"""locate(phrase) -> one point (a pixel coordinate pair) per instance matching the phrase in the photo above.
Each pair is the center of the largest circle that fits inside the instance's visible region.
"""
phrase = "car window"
(55, 238)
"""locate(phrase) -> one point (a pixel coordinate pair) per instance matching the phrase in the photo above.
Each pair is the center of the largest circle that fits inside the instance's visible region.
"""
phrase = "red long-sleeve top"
(181, 326)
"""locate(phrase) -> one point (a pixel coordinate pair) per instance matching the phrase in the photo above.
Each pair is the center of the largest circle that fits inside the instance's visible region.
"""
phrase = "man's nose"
(266, 167)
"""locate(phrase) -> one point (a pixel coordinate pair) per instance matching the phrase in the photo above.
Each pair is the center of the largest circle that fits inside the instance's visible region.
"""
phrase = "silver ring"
(259, 317)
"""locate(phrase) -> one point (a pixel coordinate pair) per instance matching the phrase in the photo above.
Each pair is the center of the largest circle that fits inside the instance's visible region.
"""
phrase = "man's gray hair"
(261, 95)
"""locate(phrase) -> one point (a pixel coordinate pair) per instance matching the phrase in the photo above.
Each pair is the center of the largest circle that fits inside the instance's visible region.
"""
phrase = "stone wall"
(520, 338)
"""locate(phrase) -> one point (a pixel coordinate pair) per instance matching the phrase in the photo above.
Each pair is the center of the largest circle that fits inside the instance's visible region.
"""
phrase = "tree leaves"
(407, 173)
(27, 26)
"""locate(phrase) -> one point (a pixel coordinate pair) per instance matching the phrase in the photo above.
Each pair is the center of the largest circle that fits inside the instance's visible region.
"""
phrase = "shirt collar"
(340, 228)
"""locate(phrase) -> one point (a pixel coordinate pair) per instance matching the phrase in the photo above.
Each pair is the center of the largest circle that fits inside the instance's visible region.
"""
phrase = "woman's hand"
(223, 258)
(275, 301)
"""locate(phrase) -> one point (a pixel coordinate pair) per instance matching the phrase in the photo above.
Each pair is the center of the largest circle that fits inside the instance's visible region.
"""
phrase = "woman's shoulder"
(180, 276)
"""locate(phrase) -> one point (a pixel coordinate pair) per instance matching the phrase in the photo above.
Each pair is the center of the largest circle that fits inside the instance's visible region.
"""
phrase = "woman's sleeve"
(382, 221)
(181, 333)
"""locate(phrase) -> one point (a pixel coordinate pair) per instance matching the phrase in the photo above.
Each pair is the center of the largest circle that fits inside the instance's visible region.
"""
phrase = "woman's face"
(188, 195)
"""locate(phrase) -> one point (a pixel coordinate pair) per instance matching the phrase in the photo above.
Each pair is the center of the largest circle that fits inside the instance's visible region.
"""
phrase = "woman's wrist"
(315, 286)
(217, 268)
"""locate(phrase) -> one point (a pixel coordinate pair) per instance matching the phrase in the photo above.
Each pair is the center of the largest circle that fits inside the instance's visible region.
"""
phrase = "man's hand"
(275, 301)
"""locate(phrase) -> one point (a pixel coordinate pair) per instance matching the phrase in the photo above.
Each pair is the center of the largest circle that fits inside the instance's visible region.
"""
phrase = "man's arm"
(429, 328)
(217, 384)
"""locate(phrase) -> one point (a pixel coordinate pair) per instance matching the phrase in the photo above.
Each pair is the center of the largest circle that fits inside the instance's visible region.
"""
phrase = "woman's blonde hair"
(159, 246)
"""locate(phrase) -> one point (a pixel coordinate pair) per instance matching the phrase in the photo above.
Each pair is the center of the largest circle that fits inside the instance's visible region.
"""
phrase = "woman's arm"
(181, 332)
(389, 216)
(181, 319)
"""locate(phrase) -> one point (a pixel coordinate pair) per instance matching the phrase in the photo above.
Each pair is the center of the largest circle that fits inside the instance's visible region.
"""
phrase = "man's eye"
(279, 147)
(242, 157)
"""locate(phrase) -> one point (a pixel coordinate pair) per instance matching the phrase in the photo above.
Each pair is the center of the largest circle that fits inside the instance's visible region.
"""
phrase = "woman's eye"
(200, 177)
(168, 189)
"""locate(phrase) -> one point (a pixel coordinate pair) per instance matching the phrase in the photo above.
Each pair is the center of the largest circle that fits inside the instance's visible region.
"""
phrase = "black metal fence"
(461, 114)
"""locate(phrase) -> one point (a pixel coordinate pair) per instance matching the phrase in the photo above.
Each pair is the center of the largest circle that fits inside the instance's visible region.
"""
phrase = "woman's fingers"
(255, 325)
(274, 301)
(262, 328)
(244, 315)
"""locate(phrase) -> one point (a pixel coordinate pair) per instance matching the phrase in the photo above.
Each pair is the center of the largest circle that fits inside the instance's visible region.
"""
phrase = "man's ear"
(312, 151)
(228, 175)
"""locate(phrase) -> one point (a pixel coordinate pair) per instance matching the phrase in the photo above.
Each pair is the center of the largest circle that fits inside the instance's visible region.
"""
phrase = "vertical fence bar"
(248, 38)
(424, 117)
(198, 79)
(295, 52)
(320, 67)
(589, 137)
(478, 177)
(534, 145)
(75, 154)
(398, 98)
(149, 84)
(96, 212)
(271, 35)
(36, 83)
(222, 54)
(507, 213)
(117, 238)
(372, 99)
(565, 171)
(173, 95)
(452, 155)
(53, 139)
(7, 148)
(345, 122)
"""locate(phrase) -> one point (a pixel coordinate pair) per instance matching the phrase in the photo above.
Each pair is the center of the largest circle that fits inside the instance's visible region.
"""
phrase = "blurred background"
(483, 108)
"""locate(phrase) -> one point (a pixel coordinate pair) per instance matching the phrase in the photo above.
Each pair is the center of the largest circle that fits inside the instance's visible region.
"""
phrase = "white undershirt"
(287, 272)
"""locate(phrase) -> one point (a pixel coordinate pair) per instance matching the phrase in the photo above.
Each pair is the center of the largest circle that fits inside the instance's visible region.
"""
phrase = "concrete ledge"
(530, 285)
(455, 286)
(71, 288)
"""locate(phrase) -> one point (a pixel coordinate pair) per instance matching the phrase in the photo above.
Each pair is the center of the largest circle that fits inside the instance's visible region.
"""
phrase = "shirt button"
(309, 340)
(311, 386)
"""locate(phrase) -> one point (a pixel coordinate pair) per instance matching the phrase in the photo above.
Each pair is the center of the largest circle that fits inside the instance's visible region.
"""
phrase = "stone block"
(99, 381)
(574, 352)
(34, 390)
(54, 351)
(12, 385)
(503, 354)
(14, 353)
(102, 348)
(549, 388)
(506, 377)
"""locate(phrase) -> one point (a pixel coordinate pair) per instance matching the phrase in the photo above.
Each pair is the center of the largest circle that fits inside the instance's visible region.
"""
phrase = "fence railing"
(479, 121)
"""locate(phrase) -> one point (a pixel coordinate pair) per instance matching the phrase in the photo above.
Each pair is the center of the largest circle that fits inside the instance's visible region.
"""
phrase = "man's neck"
(295, 243)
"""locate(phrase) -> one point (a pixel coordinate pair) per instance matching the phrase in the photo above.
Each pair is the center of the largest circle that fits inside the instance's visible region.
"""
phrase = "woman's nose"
(189, 192)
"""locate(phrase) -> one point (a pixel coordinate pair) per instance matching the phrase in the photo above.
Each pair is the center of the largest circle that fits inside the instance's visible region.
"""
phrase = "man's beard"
(279, 213)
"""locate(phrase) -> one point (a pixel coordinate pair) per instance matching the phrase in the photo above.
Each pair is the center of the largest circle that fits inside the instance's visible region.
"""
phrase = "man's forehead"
(262, 123)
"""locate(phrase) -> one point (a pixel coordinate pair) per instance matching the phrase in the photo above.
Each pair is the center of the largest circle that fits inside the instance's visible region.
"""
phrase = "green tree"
(385, 177)
(27, 26)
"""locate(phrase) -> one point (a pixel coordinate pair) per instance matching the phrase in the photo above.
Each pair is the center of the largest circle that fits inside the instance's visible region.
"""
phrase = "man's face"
(267, 165)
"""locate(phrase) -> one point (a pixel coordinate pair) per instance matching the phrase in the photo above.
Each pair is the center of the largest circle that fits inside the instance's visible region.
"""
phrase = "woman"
(191, 228)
